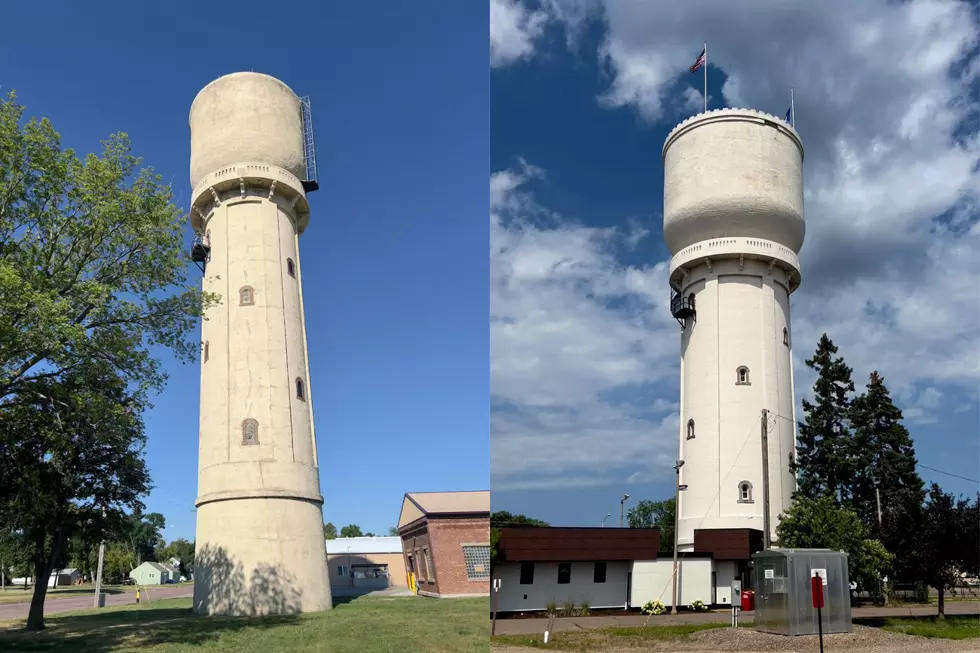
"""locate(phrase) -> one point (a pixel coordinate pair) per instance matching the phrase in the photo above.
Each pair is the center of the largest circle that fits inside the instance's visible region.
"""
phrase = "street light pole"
(602, 524)
(621, 503)
(677, 497)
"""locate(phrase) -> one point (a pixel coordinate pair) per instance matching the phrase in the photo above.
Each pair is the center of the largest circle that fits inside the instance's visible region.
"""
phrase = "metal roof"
(361, 545)
(418, 504)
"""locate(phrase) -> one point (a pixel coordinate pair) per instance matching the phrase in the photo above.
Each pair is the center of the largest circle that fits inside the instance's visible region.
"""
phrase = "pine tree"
(823, 461)
(885, 461)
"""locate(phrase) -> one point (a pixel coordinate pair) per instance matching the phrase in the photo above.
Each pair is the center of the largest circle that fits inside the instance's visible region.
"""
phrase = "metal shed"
(783, 601)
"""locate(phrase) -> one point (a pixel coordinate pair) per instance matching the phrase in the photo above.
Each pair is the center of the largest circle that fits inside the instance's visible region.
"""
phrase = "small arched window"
(207, 350)
(300, 390)
(246, 296)
(690, 429)
(290, 268)
(742, 376)
(786, 336)
(745, 492)
(250, 431)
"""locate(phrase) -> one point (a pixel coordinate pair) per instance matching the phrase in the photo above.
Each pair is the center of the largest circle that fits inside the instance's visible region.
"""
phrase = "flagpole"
(706, 77)
(792, 108)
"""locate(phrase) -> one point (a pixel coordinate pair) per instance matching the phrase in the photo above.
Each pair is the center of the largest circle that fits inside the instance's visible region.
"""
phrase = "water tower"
(260, 547)
(733, 221)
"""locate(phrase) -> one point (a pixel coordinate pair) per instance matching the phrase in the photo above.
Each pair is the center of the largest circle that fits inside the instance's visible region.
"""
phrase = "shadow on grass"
(169, 621)
(957, 626)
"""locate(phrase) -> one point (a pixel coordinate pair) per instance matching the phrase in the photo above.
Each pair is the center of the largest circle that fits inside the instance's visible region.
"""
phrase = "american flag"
(697, 64)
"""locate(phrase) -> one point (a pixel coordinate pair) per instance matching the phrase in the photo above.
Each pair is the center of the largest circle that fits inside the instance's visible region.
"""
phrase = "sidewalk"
(533, 626)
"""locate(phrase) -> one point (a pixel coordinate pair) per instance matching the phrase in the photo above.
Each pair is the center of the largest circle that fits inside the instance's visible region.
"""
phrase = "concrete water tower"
(733, 221)
(260, 547)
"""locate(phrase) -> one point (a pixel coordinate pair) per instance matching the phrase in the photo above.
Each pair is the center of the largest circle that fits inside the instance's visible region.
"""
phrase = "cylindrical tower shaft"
(733, 219)
(260, 543)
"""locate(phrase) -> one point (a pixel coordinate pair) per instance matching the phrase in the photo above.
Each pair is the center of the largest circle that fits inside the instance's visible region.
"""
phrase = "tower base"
(260, 556)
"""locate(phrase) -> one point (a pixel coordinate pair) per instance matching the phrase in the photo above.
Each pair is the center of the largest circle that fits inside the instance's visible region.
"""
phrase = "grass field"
(952, 627)
(363, 625)
(19, 595)
(605, 638)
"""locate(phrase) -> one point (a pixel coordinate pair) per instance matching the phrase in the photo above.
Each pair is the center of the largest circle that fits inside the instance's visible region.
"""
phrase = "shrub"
(698, 606)
(551, 607)
(568, 610)
(653, 607)
(583, 609)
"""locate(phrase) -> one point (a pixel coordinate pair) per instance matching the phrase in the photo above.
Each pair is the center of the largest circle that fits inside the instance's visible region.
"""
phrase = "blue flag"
(789, 115)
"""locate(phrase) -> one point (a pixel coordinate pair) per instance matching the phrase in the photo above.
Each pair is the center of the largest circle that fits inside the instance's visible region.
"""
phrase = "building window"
(300, 390)
(745, 492)
(477, 559)
(342, 570)
(690, 429)
(290, 268)
(429, 571)
(411, 563)
(786, 336)
(742, 376)
(564, 573)
(527, 573)
(246, 296)
(207, 351)
(250, 431)
(422, 570)
(599, 573)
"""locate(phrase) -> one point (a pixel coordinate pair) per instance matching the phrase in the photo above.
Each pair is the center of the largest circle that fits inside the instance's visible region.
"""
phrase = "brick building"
(446, 542)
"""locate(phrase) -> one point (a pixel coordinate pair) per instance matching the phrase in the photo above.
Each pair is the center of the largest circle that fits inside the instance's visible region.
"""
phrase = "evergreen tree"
(946, 542)
(329, 531)
(823, 461)
(884, 465)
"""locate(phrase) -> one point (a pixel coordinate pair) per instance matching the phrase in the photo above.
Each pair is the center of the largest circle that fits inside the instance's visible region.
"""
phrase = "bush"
(653, 607)
(551, 607)
(921, 594)
(698, 606)
(583, 609)
(569, 610)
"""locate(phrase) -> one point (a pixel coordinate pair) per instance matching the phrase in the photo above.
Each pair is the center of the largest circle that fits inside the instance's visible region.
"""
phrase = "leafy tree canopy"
(655, 514)
(823, 524)
(504, 519)
(329, 531)
(351, 530)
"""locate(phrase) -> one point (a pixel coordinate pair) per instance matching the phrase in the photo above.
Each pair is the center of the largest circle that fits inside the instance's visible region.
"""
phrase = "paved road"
(533, 626)
(53, 606)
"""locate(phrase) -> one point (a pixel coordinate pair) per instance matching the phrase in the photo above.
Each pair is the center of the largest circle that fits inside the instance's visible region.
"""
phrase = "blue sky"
(395, 258)
(584, 353)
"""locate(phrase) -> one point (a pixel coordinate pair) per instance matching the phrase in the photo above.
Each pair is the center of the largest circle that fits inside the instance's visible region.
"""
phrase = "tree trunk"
(44, 564)
(942, 601)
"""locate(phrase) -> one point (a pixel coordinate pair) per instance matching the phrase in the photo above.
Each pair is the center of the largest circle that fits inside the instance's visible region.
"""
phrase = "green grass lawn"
(363, 625)
(605, 638)
(19, 595)
(952, 627)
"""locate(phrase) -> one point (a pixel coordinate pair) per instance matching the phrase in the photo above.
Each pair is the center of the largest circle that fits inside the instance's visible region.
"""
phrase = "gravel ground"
(862, 640)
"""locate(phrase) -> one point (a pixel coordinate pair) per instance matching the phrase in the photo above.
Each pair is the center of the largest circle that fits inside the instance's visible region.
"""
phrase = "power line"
(939, 471)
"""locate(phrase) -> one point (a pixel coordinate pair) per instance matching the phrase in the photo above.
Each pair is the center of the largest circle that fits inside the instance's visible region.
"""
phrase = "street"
(54, 606)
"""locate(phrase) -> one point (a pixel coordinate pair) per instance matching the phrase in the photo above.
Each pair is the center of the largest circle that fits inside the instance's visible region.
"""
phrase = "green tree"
(15, 555)
(79, 462)
(948, 541)
(329, 531)
(393, 531)
(824, 460)
(503, 519)
(351, 530)
(180, 549)
(143, 534)
(118, 562)
(655, 514)
(92, 263)
(884, 472)
(821, 523)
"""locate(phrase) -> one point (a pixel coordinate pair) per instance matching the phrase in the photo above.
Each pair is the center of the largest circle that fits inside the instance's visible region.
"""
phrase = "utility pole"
(677, 512)
(766, 538)
(878, 503)
(621, 503)
(98, 575)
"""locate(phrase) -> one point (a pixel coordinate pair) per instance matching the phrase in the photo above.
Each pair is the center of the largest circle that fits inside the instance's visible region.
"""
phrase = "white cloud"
(513, 30)
(890, 263)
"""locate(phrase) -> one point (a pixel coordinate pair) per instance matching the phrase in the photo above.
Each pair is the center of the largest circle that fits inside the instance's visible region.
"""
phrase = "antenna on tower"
(309, 146)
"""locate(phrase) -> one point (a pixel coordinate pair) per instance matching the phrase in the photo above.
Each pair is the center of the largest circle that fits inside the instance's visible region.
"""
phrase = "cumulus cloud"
(513, 31)
(886, 104)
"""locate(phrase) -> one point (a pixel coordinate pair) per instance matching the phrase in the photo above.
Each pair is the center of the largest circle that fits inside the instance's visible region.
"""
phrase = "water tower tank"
(246, 117)
(733, 173)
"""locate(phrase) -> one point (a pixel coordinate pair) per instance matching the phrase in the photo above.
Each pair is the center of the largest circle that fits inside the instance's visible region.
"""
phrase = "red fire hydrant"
(748, 600)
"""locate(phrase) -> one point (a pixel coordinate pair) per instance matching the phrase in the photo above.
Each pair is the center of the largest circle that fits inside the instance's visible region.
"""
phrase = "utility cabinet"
(783, 603)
